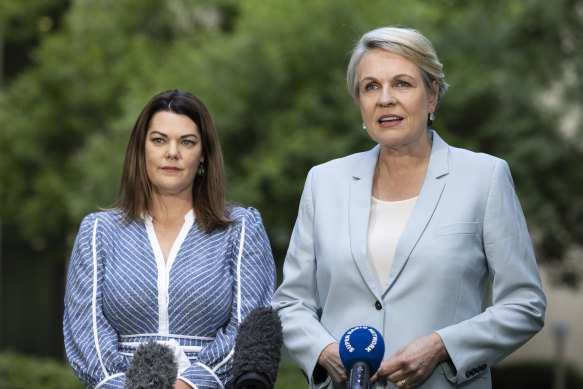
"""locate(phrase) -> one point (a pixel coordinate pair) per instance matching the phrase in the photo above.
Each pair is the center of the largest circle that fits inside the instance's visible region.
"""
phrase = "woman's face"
(173, 153)
(393, 100)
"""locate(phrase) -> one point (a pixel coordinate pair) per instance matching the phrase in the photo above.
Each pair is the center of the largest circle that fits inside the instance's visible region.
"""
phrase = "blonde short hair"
(406, 42)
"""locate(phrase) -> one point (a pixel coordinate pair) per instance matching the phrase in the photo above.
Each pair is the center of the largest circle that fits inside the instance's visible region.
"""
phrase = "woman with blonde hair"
(405, 237)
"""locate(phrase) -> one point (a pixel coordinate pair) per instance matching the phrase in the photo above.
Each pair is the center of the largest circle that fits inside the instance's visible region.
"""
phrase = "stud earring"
(431, 116)
(363, 126)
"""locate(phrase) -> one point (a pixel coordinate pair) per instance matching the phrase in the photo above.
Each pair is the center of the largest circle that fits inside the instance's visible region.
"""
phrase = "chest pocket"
(457, 229)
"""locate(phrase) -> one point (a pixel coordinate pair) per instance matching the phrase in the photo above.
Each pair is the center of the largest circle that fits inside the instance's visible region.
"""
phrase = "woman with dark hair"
(171, 262)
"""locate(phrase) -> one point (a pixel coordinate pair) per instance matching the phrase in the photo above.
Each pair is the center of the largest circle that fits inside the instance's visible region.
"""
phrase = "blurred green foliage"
(290, 376)
(18, 371)
(273, 77)
(272, 74)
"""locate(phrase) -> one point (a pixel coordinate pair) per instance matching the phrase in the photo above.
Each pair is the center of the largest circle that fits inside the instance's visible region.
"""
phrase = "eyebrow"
(401, 75)
(404, 75)
(166, 136)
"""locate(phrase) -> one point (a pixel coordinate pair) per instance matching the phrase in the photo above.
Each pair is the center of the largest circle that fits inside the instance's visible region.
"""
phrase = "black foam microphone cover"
(152, 367)
(257, 350)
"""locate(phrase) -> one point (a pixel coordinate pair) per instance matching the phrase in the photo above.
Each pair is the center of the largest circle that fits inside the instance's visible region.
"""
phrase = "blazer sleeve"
(296, 300)
(254, 271)
(518, 301)
(90, 340)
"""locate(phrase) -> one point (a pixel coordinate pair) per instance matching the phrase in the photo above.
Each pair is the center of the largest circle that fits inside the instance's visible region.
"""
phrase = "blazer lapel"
(424, 208)
(358, 214)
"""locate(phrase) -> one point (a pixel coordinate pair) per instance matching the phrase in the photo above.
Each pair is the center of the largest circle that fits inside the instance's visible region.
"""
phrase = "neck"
(169, 209)
(399, 173)
(410, 158)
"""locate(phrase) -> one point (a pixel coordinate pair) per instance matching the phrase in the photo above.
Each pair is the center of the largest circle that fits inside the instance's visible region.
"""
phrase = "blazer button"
(378, 305)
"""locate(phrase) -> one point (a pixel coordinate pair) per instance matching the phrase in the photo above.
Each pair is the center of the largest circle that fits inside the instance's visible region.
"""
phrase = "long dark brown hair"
(134, 197)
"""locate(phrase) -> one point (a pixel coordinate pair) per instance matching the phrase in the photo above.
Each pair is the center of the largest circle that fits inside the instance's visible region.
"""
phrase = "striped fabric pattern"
(120, 293)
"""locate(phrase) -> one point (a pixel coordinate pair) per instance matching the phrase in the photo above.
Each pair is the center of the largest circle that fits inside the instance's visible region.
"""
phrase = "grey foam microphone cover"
(152, 367)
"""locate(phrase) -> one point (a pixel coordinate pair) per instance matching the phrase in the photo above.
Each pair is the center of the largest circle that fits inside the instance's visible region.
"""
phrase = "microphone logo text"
(368, 348)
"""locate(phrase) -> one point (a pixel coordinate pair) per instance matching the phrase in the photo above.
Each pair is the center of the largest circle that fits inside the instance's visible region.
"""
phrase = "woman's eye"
(370, 86)
(403, 84)
(188, 142)
(158, 140)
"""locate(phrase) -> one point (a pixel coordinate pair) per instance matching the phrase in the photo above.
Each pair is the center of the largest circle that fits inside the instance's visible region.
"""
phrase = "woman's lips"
(389, 120)
(171, 169)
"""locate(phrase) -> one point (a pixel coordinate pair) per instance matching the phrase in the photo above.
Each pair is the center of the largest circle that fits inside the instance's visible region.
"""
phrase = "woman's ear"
(434, 98)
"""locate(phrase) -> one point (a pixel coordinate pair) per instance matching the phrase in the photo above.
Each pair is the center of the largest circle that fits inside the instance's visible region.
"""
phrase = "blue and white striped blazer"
(120, 293)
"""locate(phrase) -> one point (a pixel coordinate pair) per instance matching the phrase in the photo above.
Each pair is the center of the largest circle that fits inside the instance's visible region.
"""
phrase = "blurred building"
(564, 308)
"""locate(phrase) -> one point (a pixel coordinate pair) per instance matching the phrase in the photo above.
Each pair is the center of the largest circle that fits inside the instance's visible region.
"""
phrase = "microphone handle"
(359, 376)
(252, 380)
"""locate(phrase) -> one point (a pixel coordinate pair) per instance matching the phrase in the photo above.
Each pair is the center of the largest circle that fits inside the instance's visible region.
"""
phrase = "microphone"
(257, 350)
(361, 351)
(152, 367)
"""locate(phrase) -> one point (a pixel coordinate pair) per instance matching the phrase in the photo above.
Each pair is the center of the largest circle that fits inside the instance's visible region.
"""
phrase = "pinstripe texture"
(119, 293)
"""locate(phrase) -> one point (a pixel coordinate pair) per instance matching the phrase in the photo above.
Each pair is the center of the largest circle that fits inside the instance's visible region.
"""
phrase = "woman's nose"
(172, 150)
(386, 97)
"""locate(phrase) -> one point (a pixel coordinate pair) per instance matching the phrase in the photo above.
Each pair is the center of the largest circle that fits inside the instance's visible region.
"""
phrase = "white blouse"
(385, 225)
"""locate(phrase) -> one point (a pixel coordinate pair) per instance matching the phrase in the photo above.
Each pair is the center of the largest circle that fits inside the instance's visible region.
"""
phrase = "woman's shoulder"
(107, 216)
(474, 159)
(341, 170)
(104, 219)
(347, 161)
(245, 220)
(463, 156)
(470, 165)
(249, 214)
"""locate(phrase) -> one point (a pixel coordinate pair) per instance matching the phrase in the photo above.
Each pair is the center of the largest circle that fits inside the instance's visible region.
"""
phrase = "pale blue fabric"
(203, 309)
(467, 226)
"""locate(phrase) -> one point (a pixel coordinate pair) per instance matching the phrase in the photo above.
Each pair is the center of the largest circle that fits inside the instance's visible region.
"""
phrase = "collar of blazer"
(359, 211)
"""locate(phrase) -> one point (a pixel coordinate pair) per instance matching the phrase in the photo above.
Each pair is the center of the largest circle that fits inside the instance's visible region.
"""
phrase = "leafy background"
(75, 74)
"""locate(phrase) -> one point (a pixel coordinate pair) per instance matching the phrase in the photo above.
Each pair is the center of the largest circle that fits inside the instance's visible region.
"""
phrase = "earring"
(363, 126)
(201, 170)
(431, 116)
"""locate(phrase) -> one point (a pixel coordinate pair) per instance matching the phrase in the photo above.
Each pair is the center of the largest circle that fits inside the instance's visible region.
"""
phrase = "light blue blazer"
(467, 227)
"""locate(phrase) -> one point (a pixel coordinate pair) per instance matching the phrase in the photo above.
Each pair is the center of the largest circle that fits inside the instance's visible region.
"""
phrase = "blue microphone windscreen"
(362, 343)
